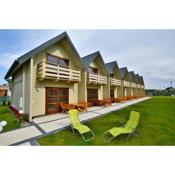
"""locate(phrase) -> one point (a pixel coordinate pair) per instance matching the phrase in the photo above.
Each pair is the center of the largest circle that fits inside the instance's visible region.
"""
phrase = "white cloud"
(28, 40)
(6, 59)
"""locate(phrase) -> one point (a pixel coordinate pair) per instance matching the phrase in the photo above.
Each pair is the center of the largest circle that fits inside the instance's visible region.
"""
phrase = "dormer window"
(92, 70)
(51, 59)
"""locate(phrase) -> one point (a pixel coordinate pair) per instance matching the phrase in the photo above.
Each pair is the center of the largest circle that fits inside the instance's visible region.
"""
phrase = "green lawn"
(11, 122)
(156, 127)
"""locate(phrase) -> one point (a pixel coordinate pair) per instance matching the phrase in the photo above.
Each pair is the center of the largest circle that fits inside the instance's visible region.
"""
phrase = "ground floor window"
(54, 96)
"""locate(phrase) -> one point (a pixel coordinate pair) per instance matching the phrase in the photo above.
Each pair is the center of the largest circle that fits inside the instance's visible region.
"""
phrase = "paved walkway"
(19, 135)
(53, 123)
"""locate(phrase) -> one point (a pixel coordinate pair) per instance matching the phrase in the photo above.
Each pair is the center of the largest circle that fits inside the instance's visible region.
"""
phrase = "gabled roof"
(141, 80)
(88, 59)
(22, 59)
(137, 78)
(123, 71)
(110, 66)
(131, 75)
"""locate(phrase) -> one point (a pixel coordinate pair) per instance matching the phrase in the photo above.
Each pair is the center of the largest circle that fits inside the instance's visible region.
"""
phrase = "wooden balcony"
(96, 79)
(115, 82)
(126, 84)
(57, 72)
(142, 87)
(133, 85)
(138, 86)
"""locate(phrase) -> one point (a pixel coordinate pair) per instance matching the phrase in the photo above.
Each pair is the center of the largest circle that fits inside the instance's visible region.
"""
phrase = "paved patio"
(53, 123)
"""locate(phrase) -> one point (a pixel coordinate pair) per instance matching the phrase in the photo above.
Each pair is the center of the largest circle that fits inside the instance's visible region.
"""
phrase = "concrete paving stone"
(25, 144)
(54, 125)
(93, 108)
(19, 135)
(47, 118)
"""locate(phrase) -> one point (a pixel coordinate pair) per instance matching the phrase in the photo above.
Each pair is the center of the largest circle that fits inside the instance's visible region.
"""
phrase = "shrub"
(4, 103)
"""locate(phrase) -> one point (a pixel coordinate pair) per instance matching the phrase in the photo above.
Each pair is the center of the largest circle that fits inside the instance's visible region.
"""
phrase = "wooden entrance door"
(53, 97)
(112, 93)
(92, 96)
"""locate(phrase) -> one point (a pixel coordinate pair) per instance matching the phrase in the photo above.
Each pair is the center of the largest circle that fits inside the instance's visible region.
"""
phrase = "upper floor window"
(112, 75)
(57, 60)
(92, 70)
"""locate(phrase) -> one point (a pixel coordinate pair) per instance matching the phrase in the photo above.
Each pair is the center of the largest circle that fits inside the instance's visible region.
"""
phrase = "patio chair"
(136, 97)
(120, 99)
(108, 101)
(76, 125)
(82, 106)
(117, 100)
(112, 100)
(129, 97)
(124, 99)
(65, 107)
(103, 103)
(129, 128)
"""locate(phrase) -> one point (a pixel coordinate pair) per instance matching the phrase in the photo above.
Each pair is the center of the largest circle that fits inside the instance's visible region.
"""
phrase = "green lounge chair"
(77, 126)
(129, 127)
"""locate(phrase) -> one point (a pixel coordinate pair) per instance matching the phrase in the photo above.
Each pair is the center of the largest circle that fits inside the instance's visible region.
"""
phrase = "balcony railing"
(142, 87)
(115, 82)
(126, 84)
(133, 85)
(57, 72)
(96, 79)
(138, 86)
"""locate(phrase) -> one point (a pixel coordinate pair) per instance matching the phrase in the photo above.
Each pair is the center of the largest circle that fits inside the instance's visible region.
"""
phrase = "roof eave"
(11, 69)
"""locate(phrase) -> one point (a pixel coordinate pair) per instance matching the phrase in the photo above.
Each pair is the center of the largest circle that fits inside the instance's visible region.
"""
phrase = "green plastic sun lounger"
(129, 128)
(76, 125)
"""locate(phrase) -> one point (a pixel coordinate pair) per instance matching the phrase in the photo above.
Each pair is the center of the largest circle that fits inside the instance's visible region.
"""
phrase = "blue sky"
(150, 53)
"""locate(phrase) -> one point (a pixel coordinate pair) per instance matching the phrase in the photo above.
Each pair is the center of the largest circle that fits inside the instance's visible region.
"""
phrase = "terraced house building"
(97, 81)
(54, 72)
(133, 84)
(126, 85)
(50, 73)
(142, 86)
(115, 80)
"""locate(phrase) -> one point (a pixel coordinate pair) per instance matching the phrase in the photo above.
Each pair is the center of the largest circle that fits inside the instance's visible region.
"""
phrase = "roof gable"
(131, 76)
(137, 78)
(124, 73)
(87, 60)
(113, 67)
(110, 66)
(22, 59)
(141, 80)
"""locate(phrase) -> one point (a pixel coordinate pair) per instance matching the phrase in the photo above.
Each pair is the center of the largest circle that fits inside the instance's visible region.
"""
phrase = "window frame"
(59, 58)
(93, 68)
